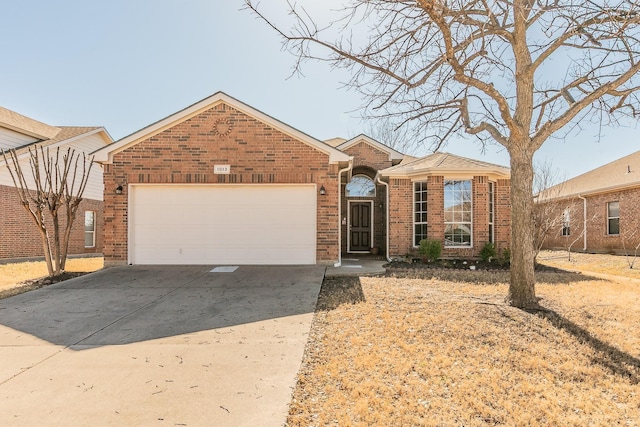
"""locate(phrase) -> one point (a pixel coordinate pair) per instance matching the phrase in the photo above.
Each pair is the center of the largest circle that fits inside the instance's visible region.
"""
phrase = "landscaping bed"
(17, 278)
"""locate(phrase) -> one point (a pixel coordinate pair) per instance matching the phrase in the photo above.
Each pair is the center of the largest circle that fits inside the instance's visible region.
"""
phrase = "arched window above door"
(361, 186)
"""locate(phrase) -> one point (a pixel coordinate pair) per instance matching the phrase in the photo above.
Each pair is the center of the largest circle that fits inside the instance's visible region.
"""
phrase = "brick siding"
(187, 153)
(598, 241)
(20, 238)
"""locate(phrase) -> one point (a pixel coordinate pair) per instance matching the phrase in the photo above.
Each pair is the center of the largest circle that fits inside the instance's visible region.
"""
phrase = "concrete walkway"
(159, 346)
(353, 265)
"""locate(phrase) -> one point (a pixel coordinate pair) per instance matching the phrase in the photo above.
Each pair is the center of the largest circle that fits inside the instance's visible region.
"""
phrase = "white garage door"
(231, 224)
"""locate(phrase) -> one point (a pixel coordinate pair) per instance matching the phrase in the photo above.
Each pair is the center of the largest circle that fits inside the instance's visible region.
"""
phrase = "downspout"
(386, 250)
(584, 221)
(340, 172)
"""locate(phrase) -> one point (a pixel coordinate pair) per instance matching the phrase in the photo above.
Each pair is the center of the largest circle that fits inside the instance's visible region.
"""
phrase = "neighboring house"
(220, 182)
(608, 197)
(19, 237)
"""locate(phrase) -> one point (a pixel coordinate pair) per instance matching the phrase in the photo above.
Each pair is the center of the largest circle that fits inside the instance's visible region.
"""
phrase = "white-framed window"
(566, 222)
(458, 225)
(361, 186)
(492, 211)
(89, 229)
(613, 218)
(419, 212)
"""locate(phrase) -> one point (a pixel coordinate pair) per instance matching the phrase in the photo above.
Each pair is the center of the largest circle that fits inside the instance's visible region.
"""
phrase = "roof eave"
(609, 189)
(445, 172)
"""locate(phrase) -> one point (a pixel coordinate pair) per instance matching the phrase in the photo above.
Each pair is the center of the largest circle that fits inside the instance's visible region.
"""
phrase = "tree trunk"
(56, 243)
(522, 292)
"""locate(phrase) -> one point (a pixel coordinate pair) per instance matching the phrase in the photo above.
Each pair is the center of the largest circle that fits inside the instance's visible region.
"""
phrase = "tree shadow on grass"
(337, 291)
(615, 360)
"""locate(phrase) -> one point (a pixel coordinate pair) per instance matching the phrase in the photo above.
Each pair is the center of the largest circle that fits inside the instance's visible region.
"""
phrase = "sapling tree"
(51, 195)
(511, 72)
(630, 242)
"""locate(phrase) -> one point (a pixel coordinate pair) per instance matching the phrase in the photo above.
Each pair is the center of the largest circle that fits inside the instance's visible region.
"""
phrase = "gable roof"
(65, 134)
(105, 155)
(617, 175)
(334, 142)
(17, 122)
(445, 163)
(393, 154)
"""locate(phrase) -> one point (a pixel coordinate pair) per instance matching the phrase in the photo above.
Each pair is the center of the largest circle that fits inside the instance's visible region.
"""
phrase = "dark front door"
(360, 227)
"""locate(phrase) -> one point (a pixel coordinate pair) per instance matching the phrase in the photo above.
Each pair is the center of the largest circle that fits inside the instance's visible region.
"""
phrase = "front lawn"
(22, 276)
(446, 351)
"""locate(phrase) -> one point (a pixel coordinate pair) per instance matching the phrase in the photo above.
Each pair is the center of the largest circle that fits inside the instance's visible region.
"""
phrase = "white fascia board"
(105, 155)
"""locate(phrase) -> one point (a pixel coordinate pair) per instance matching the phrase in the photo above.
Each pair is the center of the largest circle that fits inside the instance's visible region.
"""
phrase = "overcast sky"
(124, 64)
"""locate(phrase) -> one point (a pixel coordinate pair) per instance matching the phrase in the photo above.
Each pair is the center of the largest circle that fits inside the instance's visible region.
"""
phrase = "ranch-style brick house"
(221, 182)
(19, 237)
(598, 211)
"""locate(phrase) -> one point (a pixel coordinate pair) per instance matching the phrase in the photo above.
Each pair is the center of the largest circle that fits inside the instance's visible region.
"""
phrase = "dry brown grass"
(414, 351)
(20, 277)
(604, 264)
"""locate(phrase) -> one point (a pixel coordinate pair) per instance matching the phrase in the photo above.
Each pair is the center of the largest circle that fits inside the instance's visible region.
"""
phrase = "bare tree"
(392, 136)
(512, 72)
(548, 207)
(626, 238)
(55, 187)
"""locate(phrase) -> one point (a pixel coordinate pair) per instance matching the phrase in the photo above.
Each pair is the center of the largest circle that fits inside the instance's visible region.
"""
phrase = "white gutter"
(584, 221)
(340, 172)
(386, 250)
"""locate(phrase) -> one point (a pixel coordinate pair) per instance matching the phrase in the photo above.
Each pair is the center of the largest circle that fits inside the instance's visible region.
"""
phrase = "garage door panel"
(200, 224)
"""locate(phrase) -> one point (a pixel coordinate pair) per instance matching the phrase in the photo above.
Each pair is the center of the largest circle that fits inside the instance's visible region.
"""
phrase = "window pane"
(614, 209)
(614, 226)
(420, 232)
(88, 240)
(89, 221)
(457, 235)
(361, 186)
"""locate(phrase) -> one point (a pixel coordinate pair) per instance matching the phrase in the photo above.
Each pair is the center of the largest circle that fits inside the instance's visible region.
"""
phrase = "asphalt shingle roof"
(621, 173)
(444, 162)
(15, 121)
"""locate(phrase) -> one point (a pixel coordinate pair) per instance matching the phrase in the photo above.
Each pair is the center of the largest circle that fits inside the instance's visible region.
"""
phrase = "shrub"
(430, 249)
(505, 257)
(488, 252)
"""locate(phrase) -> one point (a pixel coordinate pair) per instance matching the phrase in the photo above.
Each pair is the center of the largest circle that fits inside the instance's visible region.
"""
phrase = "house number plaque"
(222, 169)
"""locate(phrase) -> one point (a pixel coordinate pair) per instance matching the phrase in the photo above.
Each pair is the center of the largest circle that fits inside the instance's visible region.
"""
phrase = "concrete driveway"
(166, 345)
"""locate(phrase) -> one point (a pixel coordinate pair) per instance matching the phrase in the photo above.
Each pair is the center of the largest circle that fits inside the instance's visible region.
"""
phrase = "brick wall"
(503, 215)
(598, 240)
(187, 153)
(367, 155)
(20, 238)
(401, 215)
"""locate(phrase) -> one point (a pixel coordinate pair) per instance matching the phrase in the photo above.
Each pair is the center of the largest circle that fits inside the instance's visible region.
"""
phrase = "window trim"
(470, 222)
(424, 189)
(609, 218)
(92, 232)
